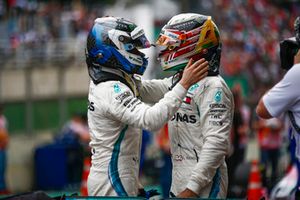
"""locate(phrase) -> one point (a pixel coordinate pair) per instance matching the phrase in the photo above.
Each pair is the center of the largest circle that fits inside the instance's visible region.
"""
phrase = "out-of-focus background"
(44, 84)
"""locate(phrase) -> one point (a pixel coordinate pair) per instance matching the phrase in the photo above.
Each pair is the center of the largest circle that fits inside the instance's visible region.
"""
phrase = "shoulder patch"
(218, 96)
(117, 88)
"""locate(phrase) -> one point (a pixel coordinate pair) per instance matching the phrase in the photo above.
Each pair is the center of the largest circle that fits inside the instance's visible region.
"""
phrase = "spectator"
(75, 130)
(163, 142)
(238, 136)
(270, 140)
(146, 141)
(75, 137)
(3, 148)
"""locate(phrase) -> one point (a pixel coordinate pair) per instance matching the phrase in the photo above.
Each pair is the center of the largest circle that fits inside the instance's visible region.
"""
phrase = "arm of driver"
(151, 91)
(128, 109)
(132, 111)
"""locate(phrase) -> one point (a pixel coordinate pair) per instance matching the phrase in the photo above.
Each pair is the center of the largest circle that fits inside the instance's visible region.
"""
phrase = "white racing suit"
(199, 137)
(116, 118)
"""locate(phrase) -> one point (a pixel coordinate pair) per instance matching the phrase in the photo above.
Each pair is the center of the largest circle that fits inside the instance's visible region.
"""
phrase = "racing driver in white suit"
(199, 131)
(116, 115)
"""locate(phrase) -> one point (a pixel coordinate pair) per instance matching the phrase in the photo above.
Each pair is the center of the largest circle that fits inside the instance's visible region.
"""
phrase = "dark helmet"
(188, 36)
(113, 43)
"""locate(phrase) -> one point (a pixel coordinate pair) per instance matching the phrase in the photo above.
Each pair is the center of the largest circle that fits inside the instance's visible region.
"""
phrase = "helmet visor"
(133, 46)
(141, 42)
(167, 38)
(138, 38)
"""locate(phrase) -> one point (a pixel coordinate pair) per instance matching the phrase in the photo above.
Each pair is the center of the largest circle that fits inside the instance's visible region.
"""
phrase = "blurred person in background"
(116, 115)
(3, 148)
(146, 141)
(163, 141)
(238, 137)
(76, 130)
(284, 98)
(270, 142)
(199, 131)
(75, 136)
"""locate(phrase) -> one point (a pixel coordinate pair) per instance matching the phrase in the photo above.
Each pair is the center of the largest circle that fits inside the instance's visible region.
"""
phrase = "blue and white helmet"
(115, 42)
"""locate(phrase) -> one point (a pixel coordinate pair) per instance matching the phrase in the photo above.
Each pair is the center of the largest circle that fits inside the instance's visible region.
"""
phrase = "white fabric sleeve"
(216, 109)
(152, 91)
(284, 94)
(128, 109)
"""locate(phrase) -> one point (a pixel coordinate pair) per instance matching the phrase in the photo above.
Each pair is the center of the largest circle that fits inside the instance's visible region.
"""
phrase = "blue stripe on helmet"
(126, 65)
(113, 172)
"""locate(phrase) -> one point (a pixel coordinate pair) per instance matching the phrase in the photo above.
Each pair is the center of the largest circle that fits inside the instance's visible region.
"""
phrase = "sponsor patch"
(216, 116)
(193, 87)
(178, 157)
(217, 111)
(117, 88)
(215, 123)
(123, 96)
(91, 106)
(126, 103)
(179, 117)
(218, 96)
(187, 100)
(139, 61)
(217, 105)
(134, 106)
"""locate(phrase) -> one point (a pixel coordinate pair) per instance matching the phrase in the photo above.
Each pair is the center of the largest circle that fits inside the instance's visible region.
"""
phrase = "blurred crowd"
(57, 30)
(250, 32)
(43, 30)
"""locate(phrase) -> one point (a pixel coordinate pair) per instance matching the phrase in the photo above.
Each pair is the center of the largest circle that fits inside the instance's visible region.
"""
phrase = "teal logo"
(193, 87)
(218, 96)
(117, 88)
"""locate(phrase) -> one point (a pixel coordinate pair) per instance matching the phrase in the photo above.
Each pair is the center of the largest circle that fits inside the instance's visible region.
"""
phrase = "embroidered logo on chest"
(218, 96)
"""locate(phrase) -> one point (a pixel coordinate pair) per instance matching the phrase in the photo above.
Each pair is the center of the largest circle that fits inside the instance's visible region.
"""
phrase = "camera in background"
(289, 47)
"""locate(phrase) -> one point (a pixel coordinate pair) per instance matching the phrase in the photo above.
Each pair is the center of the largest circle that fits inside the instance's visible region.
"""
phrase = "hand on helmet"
(194, 72)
